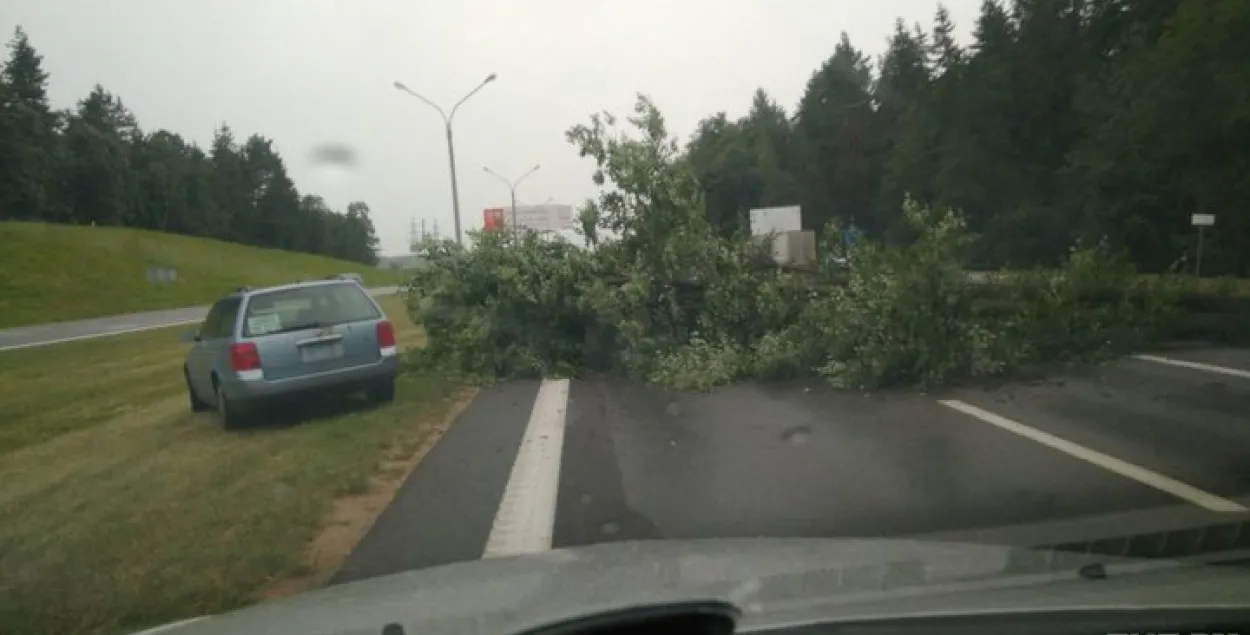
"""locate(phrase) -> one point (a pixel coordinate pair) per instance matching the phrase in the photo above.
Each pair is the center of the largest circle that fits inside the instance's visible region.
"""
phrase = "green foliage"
(1087, 310)
(663, 296)
(906, 314)
(508, 307)
(698, 365)
(94, 165)
(1061, 121)
(744, 164)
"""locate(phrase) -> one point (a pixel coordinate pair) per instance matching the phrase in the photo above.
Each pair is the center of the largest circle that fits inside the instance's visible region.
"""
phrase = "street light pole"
(451, 146)
(512, 185)
(455, 189)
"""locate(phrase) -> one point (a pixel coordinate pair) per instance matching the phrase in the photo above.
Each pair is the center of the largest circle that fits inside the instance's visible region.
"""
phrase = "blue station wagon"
(262, 345)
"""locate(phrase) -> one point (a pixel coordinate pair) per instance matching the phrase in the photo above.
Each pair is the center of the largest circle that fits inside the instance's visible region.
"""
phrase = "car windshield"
(306, 307)
(300, 293)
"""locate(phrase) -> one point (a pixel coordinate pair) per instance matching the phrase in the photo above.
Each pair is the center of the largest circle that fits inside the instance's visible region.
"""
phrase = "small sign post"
(1201, 221)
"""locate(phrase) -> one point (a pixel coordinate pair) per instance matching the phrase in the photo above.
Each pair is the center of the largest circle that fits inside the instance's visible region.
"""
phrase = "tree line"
(1063, 121)
(93, 164)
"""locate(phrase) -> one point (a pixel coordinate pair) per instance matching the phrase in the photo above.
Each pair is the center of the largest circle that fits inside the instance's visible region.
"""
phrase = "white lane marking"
(1188, 493)
(1210, 368)
(526, 517)
(91, 336)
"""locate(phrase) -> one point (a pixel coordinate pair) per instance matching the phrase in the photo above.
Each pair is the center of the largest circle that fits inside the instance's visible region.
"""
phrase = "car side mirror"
(190, 336)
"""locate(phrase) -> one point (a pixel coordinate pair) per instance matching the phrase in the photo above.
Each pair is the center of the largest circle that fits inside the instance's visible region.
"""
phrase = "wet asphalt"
(801, 459)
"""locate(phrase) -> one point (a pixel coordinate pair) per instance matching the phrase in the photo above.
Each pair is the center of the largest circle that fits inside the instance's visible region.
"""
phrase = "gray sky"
(308, 72)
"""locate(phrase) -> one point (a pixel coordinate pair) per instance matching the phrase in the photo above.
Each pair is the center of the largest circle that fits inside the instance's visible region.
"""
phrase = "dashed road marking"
(525, 521)
(1188, 493)
(1210, 368)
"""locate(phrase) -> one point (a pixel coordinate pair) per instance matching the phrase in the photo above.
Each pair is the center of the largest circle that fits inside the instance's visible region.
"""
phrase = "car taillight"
(386, 334)
(244, 356)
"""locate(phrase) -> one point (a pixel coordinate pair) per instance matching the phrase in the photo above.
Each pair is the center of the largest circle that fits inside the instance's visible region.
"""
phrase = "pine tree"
(24, 74)
(28, 143)
(839, 178)
(944, 51)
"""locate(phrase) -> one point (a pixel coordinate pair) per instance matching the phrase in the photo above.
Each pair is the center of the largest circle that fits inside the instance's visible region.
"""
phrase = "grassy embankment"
(119, 508)
(50, 273)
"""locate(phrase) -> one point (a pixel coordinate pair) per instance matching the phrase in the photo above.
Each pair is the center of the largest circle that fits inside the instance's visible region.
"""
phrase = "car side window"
(229, 317)
(220, 320)
(209, 328)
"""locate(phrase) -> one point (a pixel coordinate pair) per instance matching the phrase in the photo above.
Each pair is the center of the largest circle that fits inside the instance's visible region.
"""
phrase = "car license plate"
(321, 352)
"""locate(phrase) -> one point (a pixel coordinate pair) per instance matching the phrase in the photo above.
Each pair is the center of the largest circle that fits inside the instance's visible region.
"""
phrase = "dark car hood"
(772, 581)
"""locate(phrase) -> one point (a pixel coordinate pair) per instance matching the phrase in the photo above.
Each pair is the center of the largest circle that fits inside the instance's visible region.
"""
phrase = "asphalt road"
(1135, 447)
(58, 332)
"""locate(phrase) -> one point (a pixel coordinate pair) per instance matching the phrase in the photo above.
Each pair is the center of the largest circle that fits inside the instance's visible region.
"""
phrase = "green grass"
(65, 272)
(120, 509)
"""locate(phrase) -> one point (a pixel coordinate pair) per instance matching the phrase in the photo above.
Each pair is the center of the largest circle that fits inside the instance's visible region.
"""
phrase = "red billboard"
(492, 219)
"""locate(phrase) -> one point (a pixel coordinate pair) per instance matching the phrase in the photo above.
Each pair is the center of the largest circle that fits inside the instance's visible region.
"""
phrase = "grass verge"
(120, 509)
(50, 273)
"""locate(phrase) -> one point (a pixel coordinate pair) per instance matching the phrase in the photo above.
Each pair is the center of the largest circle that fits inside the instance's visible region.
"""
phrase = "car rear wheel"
(231, 417)
(383, 391)
(196, 404)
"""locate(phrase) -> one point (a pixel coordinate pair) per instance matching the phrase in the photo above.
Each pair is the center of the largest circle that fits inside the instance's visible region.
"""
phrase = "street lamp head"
(536, 166)
(490, 78)
(400, 86)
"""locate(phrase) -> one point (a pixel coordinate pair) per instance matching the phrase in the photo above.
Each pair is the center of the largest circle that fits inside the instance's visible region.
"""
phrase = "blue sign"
(851, 236)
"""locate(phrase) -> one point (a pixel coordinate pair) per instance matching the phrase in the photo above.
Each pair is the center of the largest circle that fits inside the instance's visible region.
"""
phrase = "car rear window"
(307, 307)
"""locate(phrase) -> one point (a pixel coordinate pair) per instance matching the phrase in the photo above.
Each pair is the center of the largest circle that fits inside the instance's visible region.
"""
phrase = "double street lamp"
(512, 185)
(451, 148)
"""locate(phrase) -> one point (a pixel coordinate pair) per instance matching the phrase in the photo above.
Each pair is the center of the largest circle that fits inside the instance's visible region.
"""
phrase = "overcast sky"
(310, 72)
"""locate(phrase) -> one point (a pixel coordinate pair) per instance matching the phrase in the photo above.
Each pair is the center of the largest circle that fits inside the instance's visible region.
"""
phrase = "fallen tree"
(660, 296)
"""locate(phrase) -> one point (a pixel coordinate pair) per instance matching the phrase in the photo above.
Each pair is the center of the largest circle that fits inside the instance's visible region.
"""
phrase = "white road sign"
(1203, 220)
(543, 218)
(766, 220)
